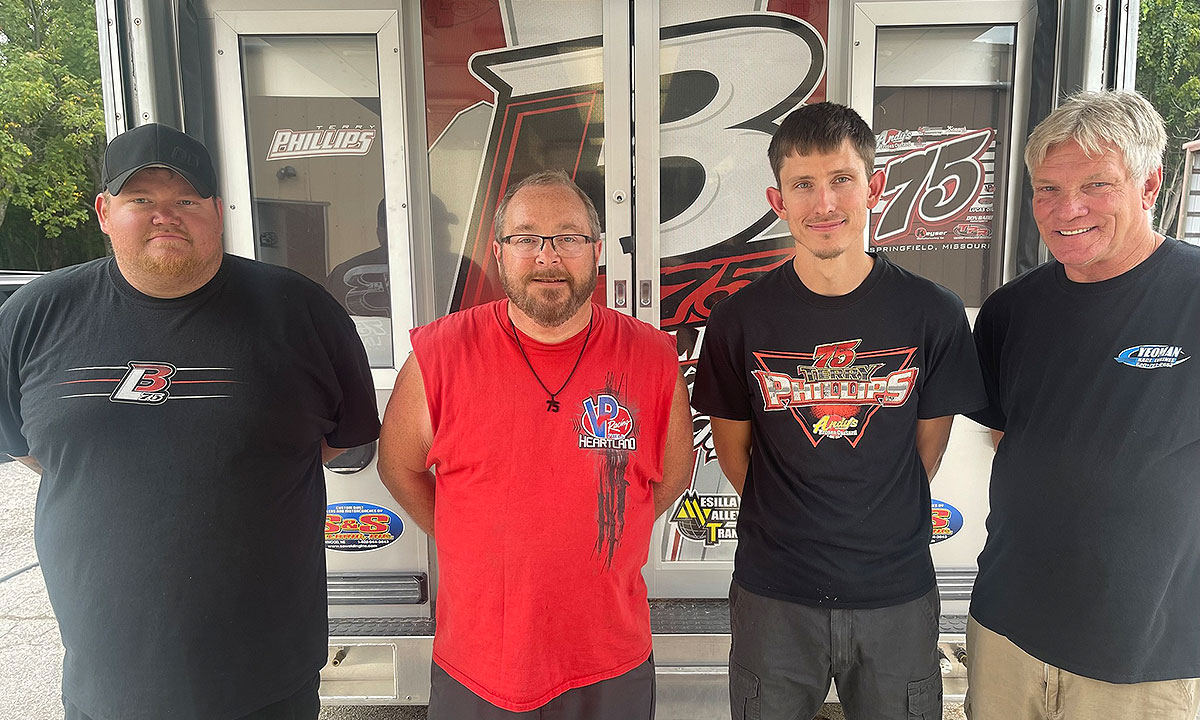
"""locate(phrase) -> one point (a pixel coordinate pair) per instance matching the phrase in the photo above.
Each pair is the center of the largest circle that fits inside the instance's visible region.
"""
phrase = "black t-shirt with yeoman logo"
(836, 506)
(1092, 559)
(179, 519)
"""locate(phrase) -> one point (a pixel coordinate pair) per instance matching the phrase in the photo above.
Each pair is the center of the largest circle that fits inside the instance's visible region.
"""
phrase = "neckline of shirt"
(123, 287)
(534, 346)
(838, 301)
(1132, 275)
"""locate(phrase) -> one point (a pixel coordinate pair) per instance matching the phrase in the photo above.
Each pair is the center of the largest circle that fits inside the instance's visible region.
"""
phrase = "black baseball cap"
(155, 145)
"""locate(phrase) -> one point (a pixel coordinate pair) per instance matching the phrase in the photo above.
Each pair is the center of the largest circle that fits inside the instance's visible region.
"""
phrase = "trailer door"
(310, 107)
(938, 83)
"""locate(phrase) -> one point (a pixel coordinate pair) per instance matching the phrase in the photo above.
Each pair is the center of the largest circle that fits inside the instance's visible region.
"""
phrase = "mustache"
(180, 232)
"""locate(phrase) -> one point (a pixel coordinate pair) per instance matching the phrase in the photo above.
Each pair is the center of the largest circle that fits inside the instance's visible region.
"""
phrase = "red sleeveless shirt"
(543, 519)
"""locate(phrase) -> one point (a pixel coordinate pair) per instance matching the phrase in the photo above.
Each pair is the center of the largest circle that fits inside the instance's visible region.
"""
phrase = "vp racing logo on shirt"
(143, 383)
(606, 424)
(836, 389)
(1149, 357)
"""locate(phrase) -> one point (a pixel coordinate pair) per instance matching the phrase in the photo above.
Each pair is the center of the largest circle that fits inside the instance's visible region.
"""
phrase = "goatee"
(543, 308)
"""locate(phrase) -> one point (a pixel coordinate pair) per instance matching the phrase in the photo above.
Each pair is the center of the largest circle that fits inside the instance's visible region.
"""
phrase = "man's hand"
(678, 456)
(404, 442)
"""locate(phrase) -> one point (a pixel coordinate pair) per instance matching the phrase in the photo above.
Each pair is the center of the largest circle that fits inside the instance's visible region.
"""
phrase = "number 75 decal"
(952, 167)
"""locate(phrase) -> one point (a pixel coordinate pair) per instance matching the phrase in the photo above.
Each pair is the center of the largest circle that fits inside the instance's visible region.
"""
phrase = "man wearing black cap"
(178, 403)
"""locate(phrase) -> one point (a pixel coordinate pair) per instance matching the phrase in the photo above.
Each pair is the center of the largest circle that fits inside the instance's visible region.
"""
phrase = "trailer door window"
(942, 113)
(316, 170)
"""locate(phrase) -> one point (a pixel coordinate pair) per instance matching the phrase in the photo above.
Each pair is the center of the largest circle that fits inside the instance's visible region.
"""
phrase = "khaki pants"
(1006, 683)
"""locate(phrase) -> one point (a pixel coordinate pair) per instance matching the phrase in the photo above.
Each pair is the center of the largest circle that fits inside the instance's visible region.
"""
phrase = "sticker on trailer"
(947, 521)
(324, 141)
(357, 527)
(706, 518)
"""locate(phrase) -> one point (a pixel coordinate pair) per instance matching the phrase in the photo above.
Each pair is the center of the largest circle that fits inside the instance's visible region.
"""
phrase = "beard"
(548, 309)
(828, 253)
(162, 265)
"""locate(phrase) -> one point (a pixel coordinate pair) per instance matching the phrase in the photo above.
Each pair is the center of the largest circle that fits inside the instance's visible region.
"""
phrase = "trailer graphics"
(358, 527)
(947, 521)
(324, 141)
(707, 519)
(829, 395)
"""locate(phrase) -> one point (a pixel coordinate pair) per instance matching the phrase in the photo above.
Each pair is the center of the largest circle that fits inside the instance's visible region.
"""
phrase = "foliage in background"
(51, 133)
(1168, 74)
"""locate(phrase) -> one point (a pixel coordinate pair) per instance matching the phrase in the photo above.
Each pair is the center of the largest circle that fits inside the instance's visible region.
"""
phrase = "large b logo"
(145, 383)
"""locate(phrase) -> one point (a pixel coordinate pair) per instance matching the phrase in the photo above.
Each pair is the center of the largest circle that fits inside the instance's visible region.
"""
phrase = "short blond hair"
(1098, 120)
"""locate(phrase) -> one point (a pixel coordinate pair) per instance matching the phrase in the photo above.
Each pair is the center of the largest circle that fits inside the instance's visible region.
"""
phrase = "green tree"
(1168, 74)
(51, 132)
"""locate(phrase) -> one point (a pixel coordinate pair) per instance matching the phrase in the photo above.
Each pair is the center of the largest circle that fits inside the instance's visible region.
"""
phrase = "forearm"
(932, 437)
(679, 458)
(735, 469)
(29, 462)
(731, 440)
(415, 493)
(329, 453)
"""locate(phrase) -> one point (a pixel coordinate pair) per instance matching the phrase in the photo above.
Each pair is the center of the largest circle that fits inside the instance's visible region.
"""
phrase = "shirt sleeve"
(988, 346)
(12, 441)
(357, 417)
(952, 382)
(721, 388)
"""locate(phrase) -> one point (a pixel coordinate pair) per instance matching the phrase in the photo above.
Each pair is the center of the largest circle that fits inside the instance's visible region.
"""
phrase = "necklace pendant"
(552, 405)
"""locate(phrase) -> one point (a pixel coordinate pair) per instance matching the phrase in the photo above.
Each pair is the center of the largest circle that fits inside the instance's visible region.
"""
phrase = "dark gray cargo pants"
(626, 697)
(785, 654)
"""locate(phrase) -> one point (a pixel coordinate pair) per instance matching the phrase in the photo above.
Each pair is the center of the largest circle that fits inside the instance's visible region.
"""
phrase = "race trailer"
(365, 144)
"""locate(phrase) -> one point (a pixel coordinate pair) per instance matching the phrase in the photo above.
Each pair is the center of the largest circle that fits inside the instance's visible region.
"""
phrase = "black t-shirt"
(835, 509)
(179, 518)
(1092, 560)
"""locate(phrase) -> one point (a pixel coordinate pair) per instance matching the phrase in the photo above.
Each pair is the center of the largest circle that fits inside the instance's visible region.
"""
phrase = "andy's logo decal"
(1149, 357)
(606, 424)
(831, 395)
(145, 382)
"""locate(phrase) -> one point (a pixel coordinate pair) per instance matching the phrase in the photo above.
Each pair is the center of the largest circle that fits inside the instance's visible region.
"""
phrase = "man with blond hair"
(1085, 604)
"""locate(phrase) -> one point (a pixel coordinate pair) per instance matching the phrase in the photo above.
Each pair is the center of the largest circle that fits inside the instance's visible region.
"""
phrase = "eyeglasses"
(527, 246)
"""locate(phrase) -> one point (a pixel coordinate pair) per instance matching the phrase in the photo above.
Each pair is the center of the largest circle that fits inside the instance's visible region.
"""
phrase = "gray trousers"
(304, 704)
(626, 697)
(785, 654)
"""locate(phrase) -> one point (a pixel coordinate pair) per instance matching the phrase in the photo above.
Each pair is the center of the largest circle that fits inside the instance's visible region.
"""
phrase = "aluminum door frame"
(228, 27)
(868, 16)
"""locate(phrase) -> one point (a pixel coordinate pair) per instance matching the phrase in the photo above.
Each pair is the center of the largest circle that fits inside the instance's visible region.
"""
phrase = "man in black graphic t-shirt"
(178, 403)
(1087, 603)
(832, 383)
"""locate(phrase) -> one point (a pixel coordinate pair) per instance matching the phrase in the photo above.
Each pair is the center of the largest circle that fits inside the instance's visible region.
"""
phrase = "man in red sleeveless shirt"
(559, 430)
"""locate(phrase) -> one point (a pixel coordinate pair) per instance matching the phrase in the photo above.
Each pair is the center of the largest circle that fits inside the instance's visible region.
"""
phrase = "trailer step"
(667, 617)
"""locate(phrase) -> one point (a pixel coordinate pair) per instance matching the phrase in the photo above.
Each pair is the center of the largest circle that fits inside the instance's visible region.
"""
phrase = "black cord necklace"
(552, 405)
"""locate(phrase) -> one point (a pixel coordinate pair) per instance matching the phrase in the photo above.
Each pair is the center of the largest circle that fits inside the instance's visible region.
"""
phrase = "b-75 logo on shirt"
(145, 383)
(830, 395)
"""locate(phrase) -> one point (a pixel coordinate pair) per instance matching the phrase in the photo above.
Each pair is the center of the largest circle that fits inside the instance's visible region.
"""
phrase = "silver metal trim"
(618, 166)
(231, 114)
(112, 77)
(646, 100)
